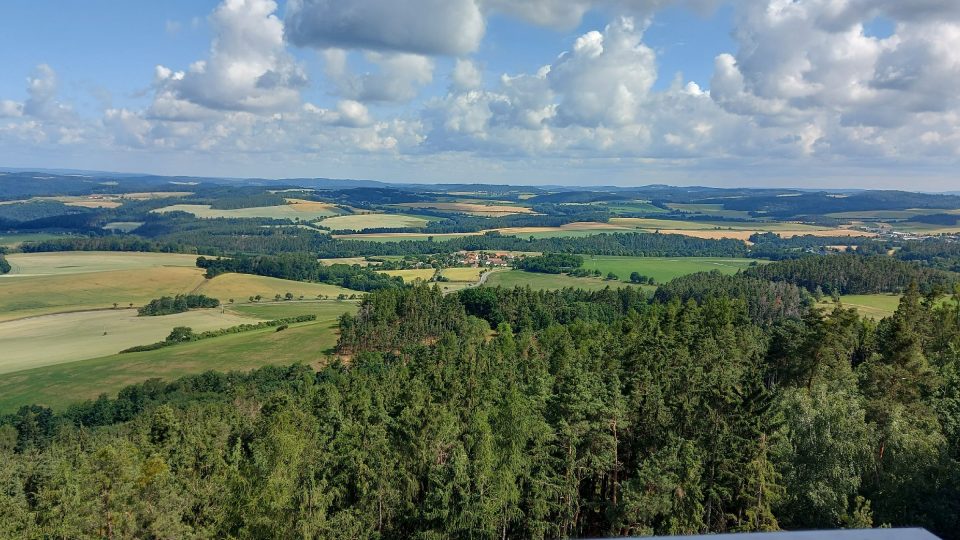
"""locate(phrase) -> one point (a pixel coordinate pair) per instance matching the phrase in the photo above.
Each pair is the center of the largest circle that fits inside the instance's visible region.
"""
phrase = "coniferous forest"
(496, 413)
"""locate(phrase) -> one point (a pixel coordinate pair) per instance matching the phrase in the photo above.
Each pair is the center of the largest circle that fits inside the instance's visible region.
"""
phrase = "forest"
(854, 274)
(496, 413)
(550, 263)
(168, 305)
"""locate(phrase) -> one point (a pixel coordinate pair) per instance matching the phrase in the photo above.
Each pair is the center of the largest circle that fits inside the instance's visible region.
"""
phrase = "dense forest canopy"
(581, 414)
(854, 274)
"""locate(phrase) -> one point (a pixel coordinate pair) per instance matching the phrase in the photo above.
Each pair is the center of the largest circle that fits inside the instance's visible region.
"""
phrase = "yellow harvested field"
(471, 208)
(94, 203)
(347, 260)
(359, 222)
(241, 287)
(80, 262)
(578, 226)
(69, 337)
(303, 205)
(470, 275)
(150, 195)
(52, 293)
(413, 274)
(296, 211)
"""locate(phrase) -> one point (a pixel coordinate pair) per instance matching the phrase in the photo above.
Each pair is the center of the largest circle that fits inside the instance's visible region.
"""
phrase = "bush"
(167, 305)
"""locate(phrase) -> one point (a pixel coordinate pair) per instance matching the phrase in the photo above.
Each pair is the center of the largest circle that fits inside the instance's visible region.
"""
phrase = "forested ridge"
(580, 414)
(853, 274)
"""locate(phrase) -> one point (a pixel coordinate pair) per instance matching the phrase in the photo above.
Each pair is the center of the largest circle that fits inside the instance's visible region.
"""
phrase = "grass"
(711, 210)
(36, 295)
(307, 211)
(123, 226)
(69, 337)
(413, 274)
(14, 240)
(360, 222)
(470, 275)
(662, 269)
(346, 260)
(74, 281)
(80, 262)
(728, 229)
(242, 286)
(519, 278)
(477, 209)
(636, 207)
(58, 386)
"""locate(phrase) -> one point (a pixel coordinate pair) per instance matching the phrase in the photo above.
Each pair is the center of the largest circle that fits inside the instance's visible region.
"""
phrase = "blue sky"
(546, 91)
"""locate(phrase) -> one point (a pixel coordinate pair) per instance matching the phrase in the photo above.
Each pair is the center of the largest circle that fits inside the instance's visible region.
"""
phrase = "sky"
(799, 93)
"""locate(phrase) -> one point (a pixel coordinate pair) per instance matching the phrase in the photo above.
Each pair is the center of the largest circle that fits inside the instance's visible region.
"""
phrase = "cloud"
(466, 75)
(426, 27)
(566, 14)
(249, 68)
(399, 76)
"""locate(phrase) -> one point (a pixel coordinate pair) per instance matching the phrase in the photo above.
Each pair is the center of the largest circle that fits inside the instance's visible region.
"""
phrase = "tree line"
(300, 267)
(549, 263)
(168, 305)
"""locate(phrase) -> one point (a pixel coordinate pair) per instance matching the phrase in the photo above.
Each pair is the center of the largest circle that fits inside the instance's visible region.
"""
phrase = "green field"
(711, 210)
(637, 207)
(874, 306)
(362, 222)
(519, 278)
(123, 226)
(662, 269)
(14, 240)
(303, 212)
(58, 386)
(69, 337)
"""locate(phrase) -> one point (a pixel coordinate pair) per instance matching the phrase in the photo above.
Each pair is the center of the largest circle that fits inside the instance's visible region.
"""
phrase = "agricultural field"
(360, 222)
(45, 283)
(519, 278)
(735, 230)
(242, 286)
(59, 385)
(413, 274)
(12, 240)
(663, 269)
(304, 211)
(635, 207)
(476, 209)
(569, 230)
(362, 261)
(80, 262)
(69, 337)
(711, 210)
(123, 226)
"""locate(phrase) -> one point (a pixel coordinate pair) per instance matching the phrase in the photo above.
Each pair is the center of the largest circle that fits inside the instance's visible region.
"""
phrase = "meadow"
(69, 337)
(476, 209)
(59, 385)
(412, 274)
(360, 222)
(305, 211)
(728, 229)
(549, 282)
(11, 240)
(663, 269)
(76, 262)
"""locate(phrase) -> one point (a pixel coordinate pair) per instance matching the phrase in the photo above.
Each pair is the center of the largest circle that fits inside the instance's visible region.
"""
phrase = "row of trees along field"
(300, 267)
(168, 305)
(582, 414)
